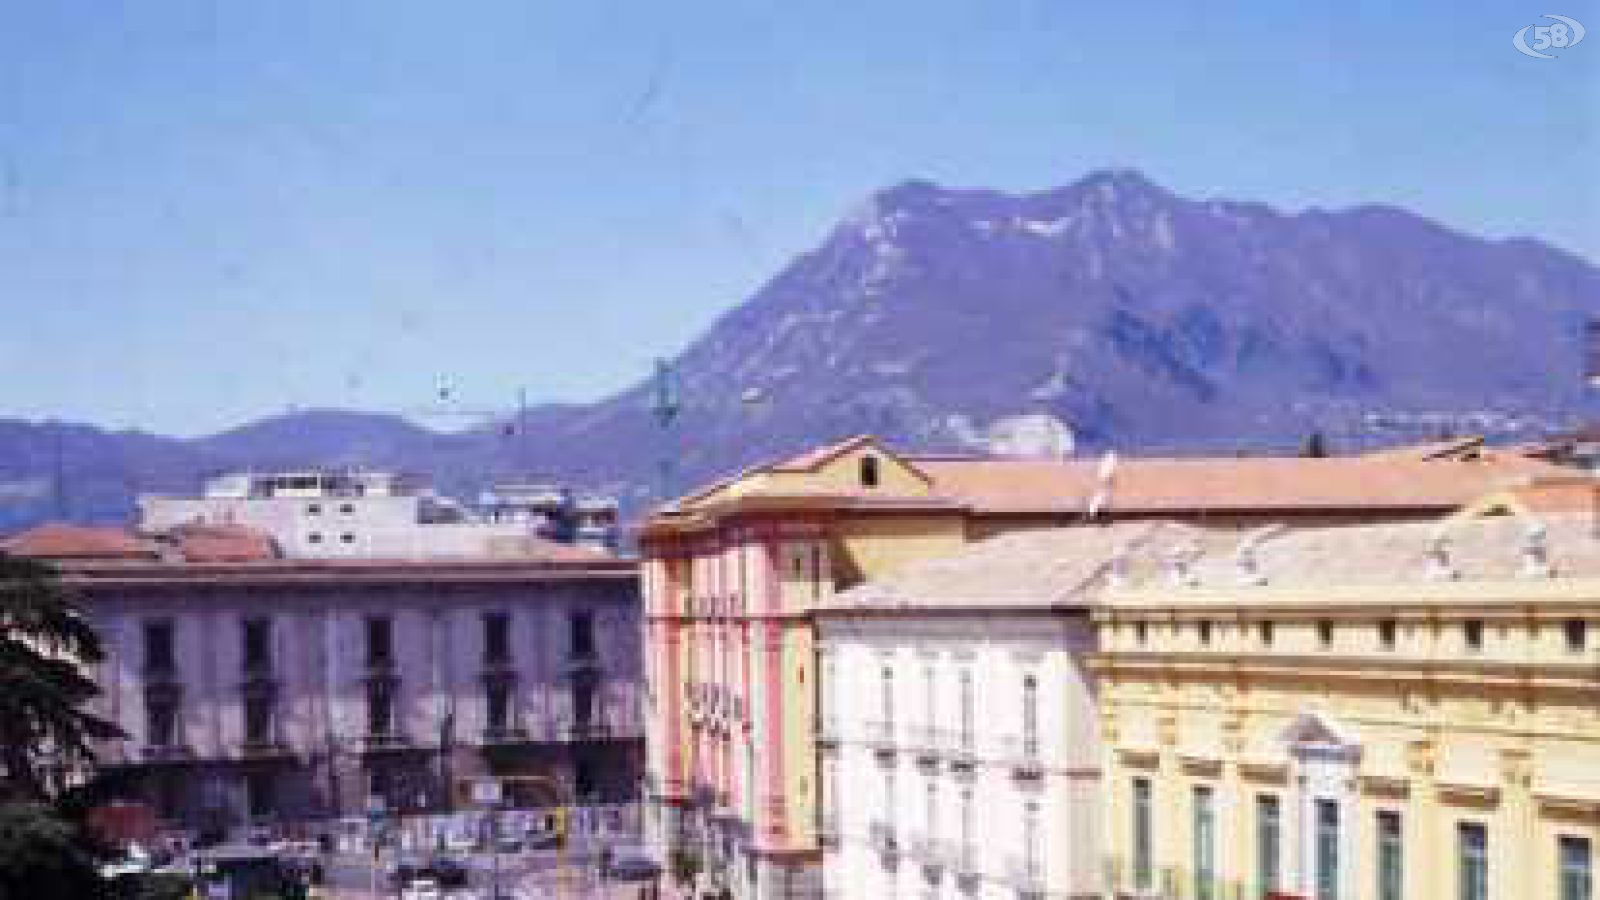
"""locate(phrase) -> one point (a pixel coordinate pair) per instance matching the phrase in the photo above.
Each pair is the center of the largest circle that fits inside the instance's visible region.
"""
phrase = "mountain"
(1144, 320)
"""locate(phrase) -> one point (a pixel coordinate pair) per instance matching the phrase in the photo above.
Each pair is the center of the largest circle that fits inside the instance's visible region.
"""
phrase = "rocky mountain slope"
(1142, 319)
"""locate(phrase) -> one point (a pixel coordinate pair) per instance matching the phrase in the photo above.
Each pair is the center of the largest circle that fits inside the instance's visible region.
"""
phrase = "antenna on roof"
(665, 406)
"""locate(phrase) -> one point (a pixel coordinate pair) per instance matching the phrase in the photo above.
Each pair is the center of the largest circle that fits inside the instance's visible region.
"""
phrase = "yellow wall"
(1508, 735)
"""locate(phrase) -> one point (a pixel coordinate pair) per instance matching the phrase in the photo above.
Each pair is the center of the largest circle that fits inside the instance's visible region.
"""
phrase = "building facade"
(363, 514)
(957, 728)
(1394, 712)
(732, 573)
(280, 691)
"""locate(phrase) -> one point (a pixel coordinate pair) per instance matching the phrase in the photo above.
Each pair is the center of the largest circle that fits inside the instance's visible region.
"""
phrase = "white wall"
(999, 650)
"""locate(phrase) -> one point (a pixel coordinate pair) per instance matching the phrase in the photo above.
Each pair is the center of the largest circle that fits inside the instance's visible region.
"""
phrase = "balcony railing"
(263, 748)
(930, 854)
(387, 740)
(166, 752)
(505, 734)
(929, 743)
(964, 863)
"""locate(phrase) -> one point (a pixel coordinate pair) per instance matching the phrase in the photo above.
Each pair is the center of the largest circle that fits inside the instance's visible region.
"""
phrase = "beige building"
(1383, 711)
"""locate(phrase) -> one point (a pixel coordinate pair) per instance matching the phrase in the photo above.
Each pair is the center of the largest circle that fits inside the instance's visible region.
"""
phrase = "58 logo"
(1566, 32)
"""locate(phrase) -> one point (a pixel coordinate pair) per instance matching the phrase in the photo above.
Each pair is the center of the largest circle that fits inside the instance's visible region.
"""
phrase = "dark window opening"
(158, 655)
(260, 796)
(314, 509)
(1141, 631)
(497, 707)
(258, 645)
(1386, 634)
(582, 704)
(380, 711)
(1325, 633)
(347, 538)
(1577, 634)
(1205, 631)
(380, 641)
(162, 724)
(580, 626)
(869, 471)
(1472, 630)
(314, 537)
(1266, 633)
(257, 721)
(496, 638)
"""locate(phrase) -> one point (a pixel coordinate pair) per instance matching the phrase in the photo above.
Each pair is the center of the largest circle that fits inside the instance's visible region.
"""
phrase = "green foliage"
(43, 855)
(685, 865)
(44, 646)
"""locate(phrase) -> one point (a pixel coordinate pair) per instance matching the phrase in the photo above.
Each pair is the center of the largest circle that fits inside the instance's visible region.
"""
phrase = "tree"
(44, 855)
(44, 646)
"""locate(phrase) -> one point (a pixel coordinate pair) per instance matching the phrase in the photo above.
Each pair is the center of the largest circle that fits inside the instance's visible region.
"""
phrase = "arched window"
(869, 471)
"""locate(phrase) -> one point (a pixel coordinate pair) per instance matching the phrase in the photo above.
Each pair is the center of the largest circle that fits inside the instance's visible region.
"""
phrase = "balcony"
(264, 748)
(828, 833)
(1022, 755)
(504, 735)
(827, 735)
(498, 670)
(928, 744)
(1026, 876)
(881, 836)
(880, 737)
(963, 754)
(385, 742)
(382, 670)
(964, 863)
(930, 856)
(166, 753)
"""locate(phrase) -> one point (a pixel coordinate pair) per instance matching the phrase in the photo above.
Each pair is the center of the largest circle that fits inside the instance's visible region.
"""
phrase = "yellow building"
(732, 572)
(1364, 713)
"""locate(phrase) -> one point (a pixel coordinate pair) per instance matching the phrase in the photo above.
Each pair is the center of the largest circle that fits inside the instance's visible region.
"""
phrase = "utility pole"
(665, 406)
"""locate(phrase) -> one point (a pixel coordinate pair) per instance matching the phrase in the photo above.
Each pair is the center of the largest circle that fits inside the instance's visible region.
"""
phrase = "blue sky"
(211, 211)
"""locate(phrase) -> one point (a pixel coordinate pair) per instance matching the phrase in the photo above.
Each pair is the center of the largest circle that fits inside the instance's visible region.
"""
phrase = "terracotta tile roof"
(222, 543)
(812, 459)
(1154, 486)
(58, 540)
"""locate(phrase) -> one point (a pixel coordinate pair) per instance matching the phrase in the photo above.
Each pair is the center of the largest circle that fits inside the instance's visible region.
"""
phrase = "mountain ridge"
(1143, 319)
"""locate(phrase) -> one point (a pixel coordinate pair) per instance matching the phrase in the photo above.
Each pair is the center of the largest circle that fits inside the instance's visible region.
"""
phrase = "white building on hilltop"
(958, 736)
(322, 514)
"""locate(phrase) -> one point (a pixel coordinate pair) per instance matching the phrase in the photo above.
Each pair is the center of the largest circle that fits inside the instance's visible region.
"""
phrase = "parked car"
(631, 864)
(447, 872)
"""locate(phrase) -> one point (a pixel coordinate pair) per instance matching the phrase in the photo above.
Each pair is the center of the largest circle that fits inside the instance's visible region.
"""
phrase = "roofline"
(341, 572)
(871, 610)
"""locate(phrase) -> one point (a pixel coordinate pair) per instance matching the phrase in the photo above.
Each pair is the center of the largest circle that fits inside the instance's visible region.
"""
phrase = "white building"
(313, 514)
(958, 741)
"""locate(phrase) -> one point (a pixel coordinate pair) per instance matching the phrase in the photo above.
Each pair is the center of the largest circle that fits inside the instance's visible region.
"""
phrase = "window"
(1269, 819)
(158, 656)
(1386, 633)
(580, 628)
(313, 509)
(1030, 716)
(966, 829)
(314, 537)
(1391, 866)
(347, 538)
(1205, 849)
(886, 686)
(380, 710)
(1577, 634)
(869, 471)
(1472, 630)
(1576, 861)
(1142, 867)
(380, 641)
(257, 720)
(1325, 633)
(1266, 633)
(161, 722)
(1032, 852)
(965, 696)
(1205, 631)
(260, 797)
(257, 639)
(496, 638)
(347, 508)
(1472, 841)
(497, 706)
(1141, 631)
(1327, 849)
